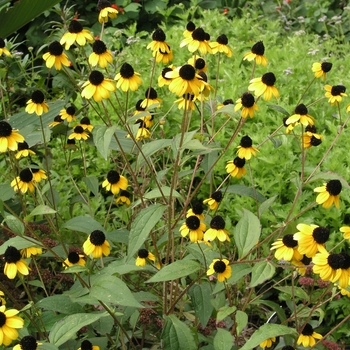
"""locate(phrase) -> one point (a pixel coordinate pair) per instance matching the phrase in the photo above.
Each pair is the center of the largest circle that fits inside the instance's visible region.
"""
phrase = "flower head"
(106, 11)
(142, 255)
(286, 248)
(28, 252)
(2, 299)
(96, 244)
(38, 174)
(247, 101)
(76, 33)
(335, 93)
(9, 323)
(28, 342)
(267, 343)
(196, 210)
(194, 227)
(115, 182)
(24, 150)
(301, 115)
(162, 79)
(198, 63)
(24, 181)
(329, 194)
(37, 104)
(214, 200)
(97, 87)
(3, 49)
(197, 40)
(56, 56)
(221, 267)
(346, 231)
(127, 79)
(221, 46)
(68, 114)
(246, 149)
(190, 27)
(186, 102)
(321, 69)
(264, 86)
(124, 198)
(236, 167)
(217, 230)
(257, 54)
(311, 139)
(78, 134)
(100, 55)
(158, 42)
(74, 258)
(86, 124)
(14, 263)
(151, 98)
(9, 138)
(308, 336)
(87, 345)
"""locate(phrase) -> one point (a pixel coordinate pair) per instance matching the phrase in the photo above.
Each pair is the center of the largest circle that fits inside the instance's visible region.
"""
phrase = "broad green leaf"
(40, 210)
(111, 289)
(121, 267)
(124, 144)
(165, 191)
(279, 109)
(6, 192)
(246, 191)
(84, 224)
(142, 225)
(274, 306)
(228, 109)
(262, 271)
(241, 319)
(48, 346)
(133, 7)
(60, 303)
(66, 329)
(329, 176)
(177, 335)
(199, 294)
(223, 340)
(266, 205)
(224, 312)
(91, 183)
(267, 331)
(247, 233)
(296, 292)
(14, 224)
(177, 269)
(149, 149)
(102, 138)
(19, 243)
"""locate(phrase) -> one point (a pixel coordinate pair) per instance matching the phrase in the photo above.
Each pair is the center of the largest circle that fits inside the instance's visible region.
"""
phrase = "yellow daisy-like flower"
(97, 87)
(286, 248)
(124, 198)
(184, 80)
(28, 252)
(301, 115)
(127, 79)
(346, 231)
(56, 121)
(329, 194)
(142, 132)
(335, 93)
(2, 299)
(194, 227)
(311, 139)
(115, 182)
(28, 342)
(264, 86)
(267, 343)
(23, 150)
(164, 57)
(151, 98)
(190, 27)
(78, 134)
(162, 79)
(9, 138)
(311, 238)
(221, 46)
(257, 54)
(37, 104)
(198, 63)
(38, 174)
(10, 322)
(236, 167)
(106, 11)
(14, 263)
(24, 182)
(96, 244)
(221, 267)
(85, 124)
(214, 200)
(186, 102)
(56, 57)
(100, 55)
(158, 43)
(247, 101)
(68, 114)
(142, 255)
(3, 49)
(76, 34)
(196, 210)
(197, 40)
(321, 69)
(87, 345)
(246, 149)
(217, 230)
(302, 264)
(308, 336)
(74, 259)
(227, 102)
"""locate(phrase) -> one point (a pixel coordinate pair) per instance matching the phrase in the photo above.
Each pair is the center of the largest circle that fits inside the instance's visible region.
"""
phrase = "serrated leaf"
(102, 138)
(142, 225)
(40, 210)
(91, 183)
(177, 269)
(223, 340)
(247, 232)
(224, 312)
(177, 335)
(199, 294)
(14, 224)
(241, 319)
(19, 243)
(262, 271)
(84, 224)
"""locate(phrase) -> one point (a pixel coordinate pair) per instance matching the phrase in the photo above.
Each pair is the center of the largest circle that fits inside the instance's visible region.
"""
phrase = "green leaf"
(14, 224)
(267, 331)
(241, 321)
(247, 232)
(6, 192)
(223, 340)
(279, 109)
(142, 226)
(177, 269)
(124, 144)
(19, 243)
(246, 191)
(122, 267)
(102, 138)
(294, 291)
(21, 13)
(224, 312)
(66, 329)
(149, 149)
(199, 294)
(329, 175)
(60, 303)
(266, 205)
(177, 335)
(40, 210)
(84, 224)
(133, 7)
(112, 289)
(262, 271)
(91, 183)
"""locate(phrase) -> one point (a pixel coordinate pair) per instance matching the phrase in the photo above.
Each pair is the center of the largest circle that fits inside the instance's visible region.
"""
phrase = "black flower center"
(2, 43)
(334, 187)
(229, 101)
(126, 71)
(199, 34)
(289, 241)
(78, 129)
(103, 4)
(96, 77)
(338, 90)
(217, 223)
(308, 330)
(217, 196)
(34, 170)
(346, 262)
(70, 110)
(22, 146)
(248, 100)
(38, 97)
(306, 260)
(113, 177)
(222, 39)
(85, 121)
(207, 36)
(2, 319)
(86, 345)
(336, 261)
(75, 27)
(5, 129)
(239, 162)
(26, 175)
(203, 76)
(12, 255)
(188, 97)
(159, 35)
(71, 142)
(326, 66)
(320, 234)
(99, 47)
(142, 123)
(301, 109)
(315, 141)
(268, 79)
(55, 48)
(142, 253)
(311, 128)
(258, 48)
(164, 71)
(190, 26)
(124, 193)
(138, 106)
(288, 347)
(28, 343)
(97, 237)
(187, 72)
(246, 142)
(199, 64)
(219, 266)
(151, 93)
(73, 257)
(198, 208)
(192, 222)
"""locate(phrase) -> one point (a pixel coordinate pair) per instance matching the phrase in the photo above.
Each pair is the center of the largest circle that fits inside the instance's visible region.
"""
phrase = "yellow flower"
(9, 325)
(106, 11)
(321, 69)
(214, 200)
(68, 114)
(246, 149)
(38, 174)
(221, 46)
(286, 249)
(100, 55)
(257, 54)
(186, 102)
(151, 98)
(264, 86)
(3, 49)
(194, 227)
(86, 345)
(97, 87)
(236, 167)
(329, 194)
(301, 115)
(23, 150)
(28, 342)
(267, 343)
(142, 255)
(77, 34)
(85, 124)
(308, 337)
(2, 299)
(221, 267)
(124, 198)
(74, 259)
(301, 264)
(197, 40)
(78, 134)
(162, 79)
(311, 139)
(158, 44)
(24, 182)
(14, 263)
(9, 138)
(196, 210)
(217, 230)
(37, 104)
(335, 93)
(28, 252)
(115, 182)
(247, 101)
(190, 27)
(56, 56)
(96, 244)
(127, 79)
(346, 230)
(198, 63)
